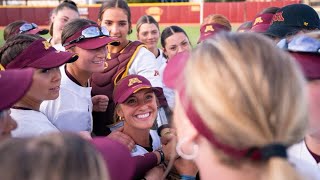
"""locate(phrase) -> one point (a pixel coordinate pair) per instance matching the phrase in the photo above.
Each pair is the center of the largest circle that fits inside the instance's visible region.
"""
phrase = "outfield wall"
(168, 13)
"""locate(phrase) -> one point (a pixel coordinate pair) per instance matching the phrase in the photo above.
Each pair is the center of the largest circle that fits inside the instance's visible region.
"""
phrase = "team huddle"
(90, 104)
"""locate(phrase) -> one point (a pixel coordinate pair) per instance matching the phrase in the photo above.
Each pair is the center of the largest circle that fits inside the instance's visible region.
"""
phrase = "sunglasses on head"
(304, 44)
(88, 33)
(27, 27)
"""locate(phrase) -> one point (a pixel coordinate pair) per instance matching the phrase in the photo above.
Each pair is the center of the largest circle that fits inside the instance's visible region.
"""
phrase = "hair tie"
(268, 151)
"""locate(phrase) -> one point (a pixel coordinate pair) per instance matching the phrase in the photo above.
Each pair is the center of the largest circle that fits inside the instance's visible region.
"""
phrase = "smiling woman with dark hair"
(71, 111)
(31, 51)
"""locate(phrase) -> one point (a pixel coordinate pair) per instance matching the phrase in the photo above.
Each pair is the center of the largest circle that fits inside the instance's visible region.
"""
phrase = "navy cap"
(293, 18)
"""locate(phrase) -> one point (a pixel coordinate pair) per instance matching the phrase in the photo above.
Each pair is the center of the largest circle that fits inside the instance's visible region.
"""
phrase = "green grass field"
(192, 31)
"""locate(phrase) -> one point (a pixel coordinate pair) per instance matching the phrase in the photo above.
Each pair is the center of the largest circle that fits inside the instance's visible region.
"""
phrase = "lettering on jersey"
(156, 73)
(277, 17)
(46, 45)
(209, 28)
(257, 20)
(133, 81)
(305, 23)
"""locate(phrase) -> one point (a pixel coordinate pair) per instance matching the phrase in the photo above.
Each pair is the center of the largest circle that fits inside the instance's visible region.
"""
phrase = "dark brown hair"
(12, 29)
(116, 4)
(169, 31)
(14, 46)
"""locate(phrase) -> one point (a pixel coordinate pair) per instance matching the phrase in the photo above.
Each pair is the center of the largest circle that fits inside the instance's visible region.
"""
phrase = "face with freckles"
(139, 111)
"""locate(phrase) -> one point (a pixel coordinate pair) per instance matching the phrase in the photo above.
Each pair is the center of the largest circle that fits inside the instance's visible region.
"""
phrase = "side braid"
(14, 46)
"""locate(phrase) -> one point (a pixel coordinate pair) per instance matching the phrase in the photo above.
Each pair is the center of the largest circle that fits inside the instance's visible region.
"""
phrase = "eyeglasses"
(88, 33)
(27, 27)
(304, 44)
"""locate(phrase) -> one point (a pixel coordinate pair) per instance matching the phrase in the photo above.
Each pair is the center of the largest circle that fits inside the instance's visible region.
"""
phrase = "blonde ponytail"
(279, 169)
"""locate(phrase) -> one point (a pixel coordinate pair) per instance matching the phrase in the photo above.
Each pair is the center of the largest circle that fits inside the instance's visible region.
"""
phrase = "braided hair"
(14, 46)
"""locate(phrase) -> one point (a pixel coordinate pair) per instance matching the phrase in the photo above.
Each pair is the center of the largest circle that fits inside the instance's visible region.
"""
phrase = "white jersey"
(31, 123)
(168, 93)
(145, 64)
(71, 111)
(156, 144)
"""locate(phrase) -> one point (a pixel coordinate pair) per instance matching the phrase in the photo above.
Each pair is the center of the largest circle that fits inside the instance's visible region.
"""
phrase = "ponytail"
(279, 169)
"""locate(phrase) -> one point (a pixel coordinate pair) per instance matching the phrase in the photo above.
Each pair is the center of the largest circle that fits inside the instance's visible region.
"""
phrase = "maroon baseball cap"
(90, 37)
(208, 30)
(262, 23)
(120, 164)
(14, 85)
(41, 55)
(130, 85)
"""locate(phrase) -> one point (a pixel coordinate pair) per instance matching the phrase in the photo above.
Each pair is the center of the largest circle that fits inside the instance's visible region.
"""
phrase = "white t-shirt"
(71, 111)
(31, 123)
(168, 93)
(156, 144)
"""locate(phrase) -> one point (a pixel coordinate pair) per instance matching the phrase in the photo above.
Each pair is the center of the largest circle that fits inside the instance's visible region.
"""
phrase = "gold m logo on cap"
(133, 81)
(46, 45)
(208, 28)
(305, 23)
(258, 20)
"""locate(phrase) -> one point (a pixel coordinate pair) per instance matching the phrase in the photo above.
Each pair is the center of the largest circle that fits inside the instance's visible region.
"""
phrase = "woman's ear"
(99, 22)
(119, 111)
(52, 17)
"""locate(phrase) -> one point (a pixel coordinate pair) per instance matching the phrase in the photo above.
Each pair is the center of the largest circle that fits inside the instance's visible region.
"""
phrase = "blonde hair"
(250, 94)
(51, 157)
(217, 18)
